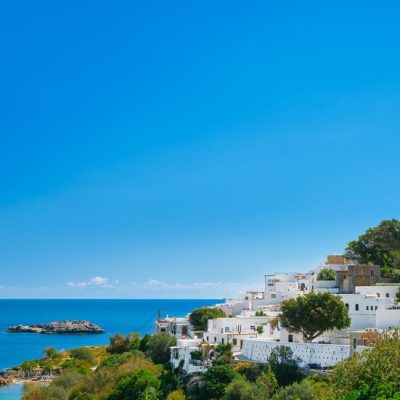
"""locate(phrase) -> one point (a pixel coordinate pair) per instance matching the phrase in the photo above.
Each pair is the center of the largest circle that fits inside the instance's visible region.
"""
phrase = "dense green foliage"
(314, 314)
(284, 365)
(198, 318)
(159, 347)
(326, 274)
(379, 245)
(371, 375)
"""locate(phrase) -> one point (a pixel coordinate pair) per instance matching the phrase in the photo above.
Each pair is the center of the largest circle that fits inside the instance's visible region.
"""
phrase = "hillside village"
(254, 330)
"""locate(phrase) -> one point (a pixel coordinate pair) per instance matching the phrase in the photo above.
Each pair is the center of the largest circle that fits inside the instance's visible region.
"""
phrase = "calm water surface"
(112, 315)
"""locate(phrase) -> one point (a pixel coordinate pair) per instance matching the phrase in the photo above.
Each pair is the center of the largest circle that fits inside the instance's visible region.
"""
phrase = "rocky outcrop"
(58, 327)
(5, 379)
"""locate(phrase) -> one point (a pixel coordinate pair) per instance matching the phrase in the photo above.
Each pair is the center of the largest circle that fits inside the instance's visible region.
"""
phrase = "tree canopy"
(198, 318)
(379, 245)
(326, 274)
(159, 347)
(314, 314)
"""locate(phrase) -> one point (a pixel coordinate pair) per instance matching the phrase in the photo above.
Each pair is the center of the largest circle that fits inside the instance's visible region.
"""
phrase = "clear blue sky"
(185, 149)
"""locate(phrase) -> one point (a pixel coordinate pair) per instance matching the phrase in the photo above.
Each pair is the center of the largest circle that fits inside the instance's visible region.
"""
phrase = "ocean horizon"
(113, 315)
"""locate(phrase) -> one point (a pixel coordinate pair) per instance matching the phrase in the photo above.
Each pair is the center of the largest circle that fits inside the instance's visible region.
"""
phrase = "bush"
(284, 365)
(121, 344)
(326, 274)
(296, 391)
(140, 384)
(159, 347)
(216, 379)
(239, 389)
(82, 353)
(176, 395)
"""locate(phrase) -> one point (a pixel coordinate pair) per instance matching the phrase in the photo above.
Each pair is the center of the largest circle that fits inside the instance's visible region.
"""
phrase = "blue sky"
(185, 149)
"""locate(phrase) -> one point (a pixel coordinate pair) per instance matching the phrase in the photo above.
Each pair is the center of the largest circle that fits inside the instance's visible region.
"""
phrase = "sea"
(113, 316)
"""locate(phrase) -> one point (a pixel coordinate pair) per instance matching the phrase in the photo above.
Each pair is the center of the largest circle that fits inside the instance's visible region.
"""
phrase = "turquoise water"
(112, 315)
(13, 392)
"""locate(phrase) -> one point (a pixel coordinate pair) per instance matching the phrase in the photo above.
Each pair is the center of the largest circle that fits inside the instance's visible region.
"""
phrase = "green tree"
(144, 343)
(176, 395)
(52, 353)
(313, 314)
(28, 366)
(260, 329)
(266, 385)
(216, 379)
(326, 274)
(121, 344)
(249, 370)
(198, 318)
(379, 245)
(239, 389)
(371, 375)
(297, 391)
(82, 353)
(222, 354)
(140, 384)
(159, 347)
(284, 365)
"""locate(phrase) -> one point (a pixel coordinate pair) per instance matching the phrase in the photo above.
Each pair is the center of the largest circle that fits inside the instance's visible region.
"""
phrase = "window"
(223, 341)
(273, 296)
(208, 339)
(372, 272)
(387, 294)
(354, 343)
(367, 308)
(215, 339)
(290, 338)
(378, 294)
(376, 307)
(347, 305)
(234, 342)
(356, 307)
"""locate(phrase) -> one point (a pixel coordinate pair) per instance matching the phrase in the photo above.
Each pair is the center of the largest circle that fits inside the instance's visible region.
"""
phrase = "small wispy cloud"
(191, 286)
(96, 281)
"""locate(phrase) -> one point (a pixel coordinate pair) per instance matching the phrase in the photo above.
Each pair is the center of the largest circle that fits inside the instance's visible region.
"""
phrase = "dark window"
(234, 342)
(367, 308)
(356, 307)
(290, 338)
(223, 340)
(376, 307)
(215, 339)
(354, 343)
(347, 305)
(387, 294)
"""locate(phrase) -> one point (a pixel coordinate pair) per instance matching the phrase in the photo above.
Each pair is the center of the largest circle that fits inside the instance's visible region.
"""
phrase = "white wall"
(238, 324)
(326, 355)
(381, 291)
(387, 318)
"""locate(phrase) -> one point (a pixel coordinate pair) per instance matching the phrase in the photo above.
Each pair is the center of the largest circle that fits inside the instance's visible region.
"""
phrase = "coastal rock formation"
(5, 379)
(58, 327)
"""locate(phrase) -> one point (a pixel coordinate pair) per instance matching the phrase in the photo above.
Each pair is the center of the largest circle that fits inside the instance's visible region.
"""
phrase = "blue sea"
(112, 315)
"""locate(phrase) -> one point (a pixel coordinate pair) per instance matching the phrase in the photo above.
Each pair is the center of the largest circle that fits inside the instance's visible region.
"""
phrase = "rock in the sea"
(58, 327)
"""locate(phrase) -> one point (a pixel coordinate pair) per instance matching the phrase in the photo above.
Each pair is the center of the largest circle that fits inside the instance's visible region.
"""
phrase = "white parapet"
(324, 355)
